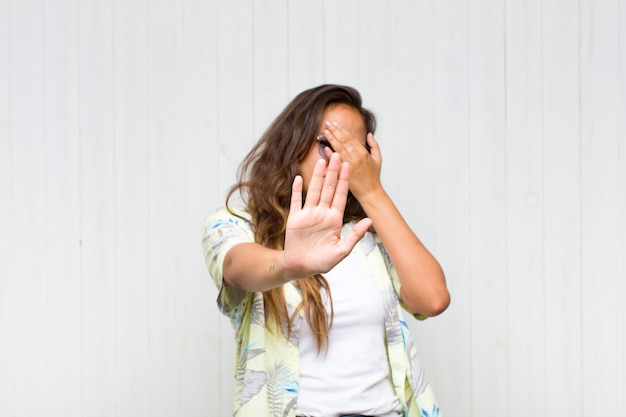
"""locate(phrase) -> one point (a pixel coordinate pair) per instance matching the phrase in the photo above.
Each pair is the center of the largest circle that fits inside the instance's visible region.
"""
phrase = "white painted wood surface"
(503, 129)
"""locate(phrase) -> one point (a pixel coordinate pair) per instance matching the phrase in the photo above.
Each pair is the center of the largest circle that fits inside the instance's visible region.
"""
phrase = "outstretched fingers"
(314, 189)
(296, 195)
(331, 179)
(341, 188)
(322, 187)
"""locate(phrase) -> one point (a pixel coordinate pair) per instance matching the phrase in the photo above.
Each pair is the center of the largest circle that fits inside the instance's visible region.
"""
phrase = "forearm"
(423, 285)
(253, 267)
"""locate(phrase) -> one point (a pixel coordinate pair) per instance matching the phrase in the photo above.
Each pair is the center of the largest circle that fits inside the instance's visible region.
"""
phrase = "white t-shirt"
(352, 375)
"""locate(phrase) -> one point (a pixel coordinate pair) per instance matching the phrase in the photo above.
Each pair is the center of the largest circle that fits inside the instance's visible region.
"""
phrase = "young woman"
(314, 266)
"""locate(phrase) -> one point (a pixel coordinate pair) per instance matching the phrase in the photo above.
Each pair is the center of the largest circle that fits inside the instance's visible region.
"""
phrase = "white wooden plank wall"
(503, 128)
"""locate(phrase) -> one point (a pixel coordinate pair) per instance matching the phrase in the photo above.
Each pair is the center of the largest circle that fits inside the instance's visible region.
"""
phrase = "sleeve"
(221, 232)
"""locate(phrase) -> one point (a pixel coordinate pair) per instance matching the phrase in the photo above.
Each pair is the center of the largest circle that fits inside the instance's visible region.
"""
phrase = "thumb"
(374, 148)
(357, 232)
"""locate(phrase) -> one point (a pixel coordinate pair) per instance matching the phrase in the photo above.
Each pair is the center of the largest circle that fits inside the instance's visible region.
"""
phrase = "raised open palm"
(313, 241)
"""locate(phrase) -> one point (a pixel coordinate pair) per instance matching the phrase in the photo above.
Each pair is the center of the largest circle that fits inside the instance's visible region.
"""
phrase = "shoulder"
(223, 229)
(227, 218)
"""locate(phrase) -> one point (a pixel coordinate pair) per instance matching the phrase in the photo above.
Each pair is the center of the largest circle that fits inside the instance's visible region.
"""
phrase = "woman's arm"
(253, 267)
(423, 285)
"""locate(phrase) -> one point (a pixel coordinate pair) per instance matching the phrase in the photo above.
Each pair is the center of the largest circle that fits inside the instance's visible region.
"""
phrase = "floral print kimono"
(267, 363)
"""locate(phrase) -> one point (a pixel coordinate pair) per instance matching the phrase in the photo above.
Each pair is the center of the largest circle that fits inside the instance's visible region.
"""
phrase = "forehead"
(346, 116)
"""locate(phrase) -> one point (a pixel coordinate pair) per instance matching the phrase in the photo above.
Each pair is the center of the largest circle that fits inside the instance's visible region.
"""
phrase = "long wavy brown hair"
(264, 181)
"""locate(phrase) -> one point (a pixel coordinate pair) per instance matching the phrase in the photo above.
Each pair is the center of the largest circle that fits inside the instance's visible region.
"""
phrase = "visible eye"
(323, 143)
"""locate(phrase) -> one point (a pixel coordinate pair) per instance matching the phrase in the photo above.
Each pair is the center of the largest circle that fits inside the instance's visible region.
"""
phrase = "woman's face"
(345, 116)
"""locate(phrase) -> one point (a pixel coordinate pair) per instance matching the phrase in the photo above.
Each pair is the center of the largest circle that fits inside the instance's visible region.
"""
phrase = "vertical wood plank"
(622, 181)
(28, 148)
(97, 211)
(407, 126)
(487, 173)
(524, 196)
(132, 207)
(306, 45)
(601, 284)
(62, 182)
(236, 76)
(167, 148)
(270, 52)
(562, 217)
(203, 198)
(341, 40)
(374, 55)
(7, 255)
(450, 239)
(200, 361)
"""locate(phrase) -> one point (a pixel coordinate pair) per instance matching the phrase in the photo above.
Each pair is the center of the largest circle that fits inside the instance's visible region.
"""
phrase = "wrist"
(371, 199)
(284, 269)
(278, 270)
